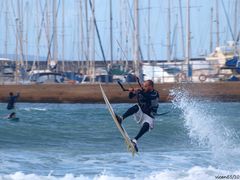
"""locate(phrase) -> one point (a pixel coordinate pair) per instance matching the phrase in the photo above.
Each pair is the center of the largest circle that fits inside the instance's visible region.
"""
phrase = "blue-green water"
(197, 140)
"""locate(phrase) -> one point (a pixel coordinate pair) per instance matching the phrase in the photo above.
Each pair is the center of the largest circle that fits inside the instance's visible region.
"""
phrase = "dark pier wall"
(90, 93)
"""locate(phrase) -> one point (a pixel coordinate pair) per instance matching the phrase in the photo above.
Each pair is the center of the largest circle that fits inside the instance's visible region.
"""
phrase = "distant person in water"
(11, 103)
(144, 110)
(12, 115)
(12, 100)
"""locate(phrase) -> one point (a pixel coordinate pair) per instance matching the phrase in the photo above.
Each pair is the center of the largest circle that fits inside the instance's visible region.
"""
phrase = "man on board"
(11, 102)
(144, 110)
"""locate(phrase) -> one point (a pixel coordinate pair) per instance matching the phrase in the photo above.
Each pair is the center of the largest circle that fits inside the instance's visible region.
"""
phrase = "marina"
(119, 89)
(91, 52)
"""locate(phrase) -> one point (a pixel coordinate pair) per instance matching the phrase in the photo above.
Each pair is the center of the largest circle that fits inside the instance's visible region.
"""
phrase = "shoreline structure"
(90, 93)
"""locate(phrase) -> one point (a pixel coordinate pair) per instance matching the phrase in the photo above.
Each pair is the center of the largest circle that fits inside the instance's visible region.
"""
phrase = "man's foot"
(119, 118)
(134, 142)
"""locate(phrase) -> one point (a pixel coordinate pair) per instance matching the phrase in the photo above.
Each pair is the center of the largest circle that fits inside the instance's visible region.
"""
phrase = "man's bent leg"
(130, 111)
(143, 130)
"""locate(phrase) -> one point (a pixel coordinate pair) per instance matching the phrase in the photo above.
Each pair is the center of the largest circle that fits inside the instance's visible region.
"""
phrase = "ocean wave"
(34, 109)
(205, 126)
(196, 173)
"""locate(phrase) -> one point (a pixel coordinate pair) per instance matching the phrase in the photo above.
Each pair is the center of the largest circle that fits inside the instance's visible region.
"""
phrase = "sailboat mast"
(6, 29)
(92, 62)
(21, 34)
(188, 39)
(111, 34)
(16, 59)
(63, 38)
(136, 39)
(149, 30)
(182, 32)
(235, 27)
(126, 23)
(121, 31)
(27, 11)
(48, 32)
(217, 21)
(211, 31)
(87, 36)
(37, 28)
(19, 29)
(55, 41)
(169, 32)
(81, 36)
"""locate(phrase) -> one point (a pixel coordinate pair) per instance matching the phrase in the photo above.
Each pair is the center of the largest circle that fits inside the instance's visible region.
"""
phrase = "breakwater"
(90, 93)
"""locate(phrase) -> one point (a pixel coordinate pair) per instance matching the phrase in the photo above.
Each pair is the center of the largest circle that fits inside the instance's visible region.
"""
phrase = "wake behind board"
(119, 126)
(16, 119)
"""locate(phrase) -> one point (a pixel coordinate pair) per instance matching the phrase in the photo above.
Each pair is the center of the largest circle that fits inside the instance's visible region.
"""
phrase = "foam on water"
(205, 126)
(35, 109)
(196, 173)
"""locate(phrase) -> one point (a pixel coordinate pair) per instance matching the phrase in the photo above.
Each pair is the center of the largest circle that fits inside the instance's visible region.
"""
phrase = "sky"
(37, 29)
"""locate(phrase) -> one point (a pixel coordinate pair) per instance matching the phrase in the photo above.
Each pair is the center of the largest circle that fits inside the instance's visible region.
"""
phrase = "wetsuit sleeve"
(15, 97)
(133, 94)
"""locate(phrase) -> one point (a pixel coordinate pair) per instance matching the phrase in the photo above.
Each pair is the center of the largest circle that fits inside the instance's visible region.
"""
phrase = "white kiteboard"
(130, 146)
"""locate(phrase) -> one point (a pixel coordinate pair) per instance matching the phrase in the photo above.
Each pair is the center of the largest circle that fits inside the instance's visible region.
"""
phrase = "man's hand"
(131, 89)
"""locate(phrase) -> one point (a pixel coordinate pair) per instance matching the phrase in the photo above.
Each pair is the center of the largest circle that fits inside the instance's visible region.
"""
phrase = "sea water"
(197, 139)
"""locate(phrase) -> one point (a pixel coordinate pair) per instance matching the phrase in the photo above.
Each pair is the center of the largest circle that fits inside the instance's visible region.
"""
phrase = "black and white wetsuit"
(146, 107)
(147, 101)
(144, 110)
